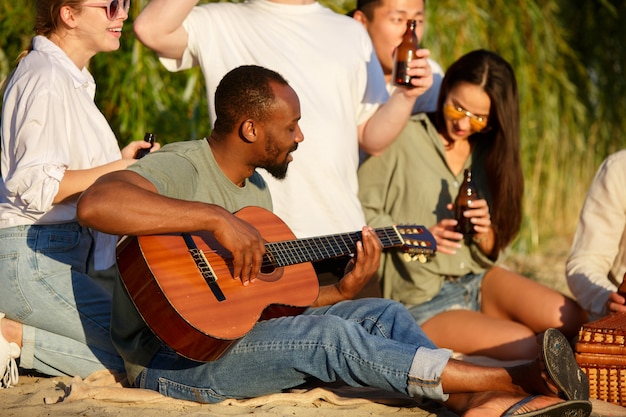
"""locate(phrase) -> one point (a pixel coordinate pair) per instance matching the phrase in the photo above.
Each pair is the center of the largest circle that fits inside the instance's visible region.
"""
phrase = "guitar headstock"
(418, 243)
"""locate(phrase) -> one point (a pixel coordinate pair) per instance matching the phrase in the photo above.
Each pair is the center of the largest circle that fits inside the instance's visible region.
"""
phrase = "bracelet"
(479, 239)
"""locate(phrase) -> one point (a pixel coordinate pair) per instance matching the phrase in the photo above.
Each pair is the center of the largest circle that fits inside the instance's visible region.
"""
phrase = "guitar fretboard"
(313, 249)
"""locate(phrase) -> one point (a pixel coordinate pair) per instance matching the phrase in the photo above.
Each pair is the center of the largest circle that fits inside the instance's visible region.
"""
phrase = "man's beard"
(277, 170)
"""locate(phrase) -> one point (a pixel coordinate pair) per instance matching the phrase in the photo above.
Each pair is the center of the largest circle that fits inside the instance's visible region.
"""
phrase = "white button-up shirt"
(50, 124)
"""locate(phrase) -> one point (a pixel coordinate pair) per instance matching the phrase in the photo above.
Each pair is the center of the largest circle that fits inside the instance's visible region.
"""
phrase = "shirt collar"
(82, 77)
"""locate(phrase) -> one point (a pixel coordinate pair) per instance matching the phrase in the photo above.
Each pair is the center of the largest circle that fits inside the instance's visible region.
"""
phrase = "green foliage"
(138, 95)
(16, 23)
(570, 64)
(134, 91)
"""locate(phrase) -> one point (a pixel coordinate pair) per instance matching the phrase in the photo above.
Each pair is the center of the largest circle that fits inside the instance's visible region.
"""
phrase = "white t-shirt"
(329, 61)
(50, 123)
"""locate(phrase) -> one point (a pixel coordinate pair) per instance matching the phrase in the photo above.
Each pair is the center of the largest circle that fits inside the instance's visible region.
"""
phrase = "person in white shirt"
(329, 61)
(55, 143)
(597, 262)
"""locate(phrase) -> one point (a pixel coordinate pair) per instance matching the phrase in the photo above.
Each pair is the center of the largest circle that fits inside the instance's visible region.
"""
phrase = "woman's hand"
(479, 216)
(448, 241)
(484, 235)
(129, 151)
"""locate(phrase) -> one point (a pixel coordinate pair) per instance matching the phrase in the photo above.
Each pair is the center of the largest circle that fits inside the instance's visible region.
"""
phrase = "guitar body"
(176, 302)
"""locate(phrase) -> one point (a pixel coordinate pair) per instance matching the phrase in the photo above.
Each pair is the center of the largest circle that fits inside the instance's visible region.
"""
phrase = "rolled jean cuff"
(425, 373)
(27, 355)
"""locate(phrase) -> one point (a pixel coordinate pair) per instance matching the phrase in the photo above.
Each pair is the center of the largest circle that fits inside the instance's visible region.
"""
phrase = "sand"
(101, 395)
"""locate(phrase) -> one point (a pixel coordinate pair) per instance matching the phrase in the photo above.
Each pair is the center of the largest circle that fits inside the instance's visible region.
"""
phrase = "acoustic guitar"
(183, 286)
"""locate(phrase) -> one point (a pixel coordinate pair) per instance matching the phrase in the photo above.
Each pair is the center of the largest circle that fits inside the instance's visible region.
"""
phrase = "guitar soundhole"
(271, 274)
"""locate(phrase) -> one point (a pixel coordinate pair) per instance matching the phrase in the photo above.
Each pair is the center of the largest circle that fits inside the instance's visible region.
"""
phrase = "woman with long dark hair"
(462, 298)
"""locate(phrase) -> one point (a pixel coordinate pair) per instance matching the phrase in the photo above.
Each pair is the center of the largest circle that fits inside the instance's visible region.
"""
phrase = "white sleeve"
(375, 89)
(599, 237)
(190, 56)
(37, 158)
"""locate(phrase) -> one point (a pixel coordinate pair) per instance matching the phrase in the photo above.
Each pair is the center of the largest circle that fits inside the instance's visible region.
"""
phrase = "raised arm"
(159, 26)
(377, 133)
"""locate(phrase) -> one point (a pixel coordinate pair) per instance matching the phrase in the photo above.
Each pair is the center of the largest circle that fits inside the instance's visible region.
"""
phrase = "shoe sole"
(562, 366)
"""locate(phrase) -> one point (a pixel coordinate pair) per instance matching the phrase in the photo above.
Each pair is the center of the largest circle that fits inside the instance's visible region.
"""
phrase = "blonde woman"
(55, 143)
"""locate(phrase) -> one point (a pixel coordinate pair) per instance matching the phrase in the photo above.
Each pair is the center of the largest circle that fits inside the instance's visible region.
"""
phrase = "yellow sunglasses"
(478, 123)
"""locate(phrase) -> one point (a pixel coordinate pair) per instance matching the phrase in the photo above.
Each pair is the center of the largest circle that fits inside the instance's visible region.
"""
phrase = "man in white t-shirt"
(329, 60)
(385, 22)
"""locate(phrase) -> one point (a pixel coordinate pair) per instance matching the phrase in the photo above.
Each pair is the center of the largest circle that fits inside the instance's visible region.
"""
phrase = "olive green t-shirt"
(188, 171)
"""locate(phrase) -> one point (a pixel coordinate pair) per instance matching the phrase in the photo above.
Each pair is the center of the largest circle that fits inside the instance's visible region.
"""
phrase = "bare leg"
(500, 339)
(508, 295)
(477, 391)
(514, 310)
(465, 377)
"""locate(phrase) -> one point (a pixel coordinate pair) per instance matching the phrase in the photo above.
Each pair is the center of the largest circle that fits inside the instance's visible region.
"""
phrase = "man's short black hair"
(245, 91)
(366, 6)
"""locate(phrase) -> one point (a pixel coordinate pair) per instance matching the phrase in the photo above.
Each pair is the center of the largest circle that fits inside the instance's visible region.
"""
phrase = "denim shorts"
(462, 293)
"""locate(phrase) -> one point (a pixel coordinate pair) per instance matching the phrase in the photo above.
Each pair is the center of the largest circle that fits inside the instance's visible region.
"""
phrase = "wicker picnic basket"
(601, 353)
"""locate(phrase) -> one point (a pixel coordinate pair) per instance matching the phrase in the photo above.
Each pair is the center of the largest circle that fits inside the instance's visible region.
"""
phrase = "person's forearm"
(76, 181)
(387, 123)
(123, 207)
(329, 295)
(587, 279)
(159, 26)
(486, 242)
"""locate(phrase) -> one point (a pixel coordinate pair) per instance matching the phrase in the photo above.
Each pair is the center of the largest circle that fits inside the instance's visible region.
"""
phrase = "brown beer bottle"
(467, 193)
(149, 137)
(405, 52)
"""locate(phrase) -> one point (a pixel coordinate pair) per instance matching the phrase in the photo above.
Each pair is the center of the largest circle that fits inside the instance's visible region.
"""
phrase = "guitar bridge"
(204, 267)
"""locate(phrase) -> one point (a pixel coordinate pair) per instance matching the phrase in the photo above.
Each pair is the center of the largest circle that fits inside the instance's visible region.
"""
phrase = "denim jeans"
(462, 293)
(367, 342)
(45, 286)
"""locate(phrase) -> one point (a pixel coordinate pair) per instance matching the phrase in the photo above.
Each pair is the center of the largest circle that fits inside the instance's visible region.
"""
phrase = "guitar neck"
(313, 249)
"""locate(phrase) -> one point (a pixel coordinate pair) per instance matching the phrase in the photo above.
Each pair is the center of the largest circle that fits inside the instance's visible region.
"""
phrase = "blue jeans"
(65, 314)
(462, 293)
(368, 342)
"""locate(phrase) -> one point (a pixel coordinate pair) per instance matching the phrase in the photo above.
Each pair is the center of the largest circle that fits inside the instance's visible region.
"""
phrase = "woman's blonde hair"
(48, 14)
(47, 21)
